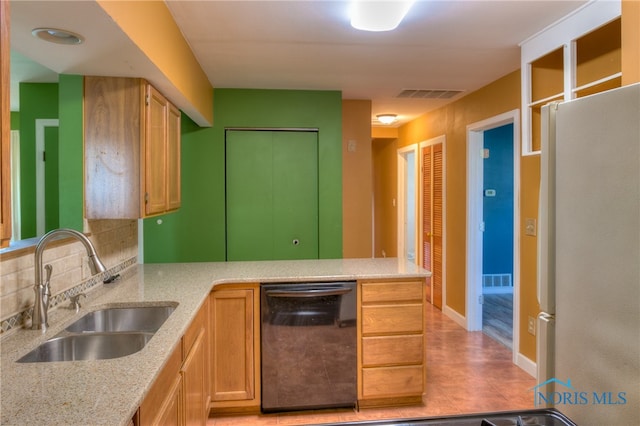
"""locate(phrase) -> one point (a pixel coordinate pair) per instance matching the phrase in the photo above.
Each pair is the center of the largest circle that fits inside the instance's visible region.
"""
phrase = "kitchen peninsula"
(111, 391)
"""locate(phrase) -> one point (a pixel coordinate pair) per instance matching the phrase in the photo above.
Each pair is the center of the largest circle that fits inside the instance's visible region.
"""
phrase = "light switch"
(351, 146)
(530, 227)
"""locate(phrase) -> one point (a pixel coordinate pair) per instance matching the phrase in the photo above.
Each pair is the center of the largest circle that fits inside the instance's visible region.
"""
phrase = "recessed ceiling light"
(58, 36)
(387, 118)
(374, 15)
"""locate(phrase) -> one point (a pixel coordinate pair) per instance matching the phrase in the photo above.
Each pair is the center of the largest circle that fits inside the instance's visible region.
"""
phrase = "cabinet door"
(163, 403)
(113, 108)
(272, 195)
(170, 413)
(155, 152)
(193, 378)
(173, 158)
(233, 368)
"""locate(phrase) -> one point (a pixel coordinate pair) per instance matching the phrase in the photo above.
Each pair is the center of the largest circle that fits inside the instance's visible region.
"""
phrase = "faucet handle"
(48, 268)
(46, 293)
(75, 301)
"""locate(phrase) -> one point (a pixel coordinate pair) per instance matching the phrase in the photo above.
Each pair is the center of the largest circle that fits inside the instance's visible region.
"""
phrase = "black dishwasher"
(308, 338)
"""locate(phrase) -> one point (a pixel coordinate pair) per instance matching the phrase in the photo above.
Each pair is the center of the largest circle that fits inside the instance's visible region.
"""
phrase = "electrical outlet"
(532, 326)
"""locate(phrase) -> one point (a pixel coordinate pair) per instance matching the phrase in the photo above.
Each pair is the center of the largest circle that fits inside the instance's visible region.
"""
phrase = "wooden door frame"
(429, 142)
(473, 284)
(401, 201)
(41, 124)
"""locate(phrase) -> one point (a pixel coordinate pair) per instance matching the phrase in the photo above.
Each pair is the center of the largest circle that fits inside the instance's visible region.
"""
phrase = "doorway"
(47, 187)
(477, 222)
(407, 204)
(497, 238)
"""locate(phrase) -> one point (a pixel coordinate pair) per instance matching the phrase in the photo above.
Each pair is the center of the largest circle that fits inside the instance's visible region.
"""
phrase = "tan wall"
(357, 190)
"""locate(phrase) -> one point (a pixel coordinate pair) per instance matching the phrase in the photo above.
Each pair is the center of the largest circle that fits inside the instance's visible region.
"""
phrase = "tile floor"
(466, 373)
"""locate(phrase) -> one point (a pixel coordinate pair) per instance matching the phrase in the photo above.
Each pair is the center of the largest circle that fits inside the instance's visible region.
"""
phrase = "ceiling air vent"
(428, 94)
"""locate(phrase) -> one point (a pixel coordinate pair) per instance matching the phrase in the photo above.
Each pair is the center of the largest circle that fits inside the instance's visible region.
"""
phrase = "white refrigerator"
(588, 330)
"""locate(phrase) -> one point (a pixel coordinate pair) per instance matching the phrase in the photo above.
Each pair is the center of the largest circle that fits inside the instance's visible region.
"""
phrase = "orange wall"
(357, 187)
(151, 27)
(630, 42)
(498, 97)
(385, 170)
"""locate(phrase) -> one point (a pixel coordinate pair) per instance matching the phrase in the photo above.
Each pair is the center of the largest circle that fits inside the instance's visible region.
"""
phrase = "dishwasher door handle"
(339, 291)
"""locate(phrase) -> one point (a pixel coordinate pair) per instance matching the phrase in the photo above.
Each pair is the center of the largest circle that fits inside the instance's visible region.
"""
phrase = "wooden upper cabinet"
(173, 158)
(5, 128)
(132, 149)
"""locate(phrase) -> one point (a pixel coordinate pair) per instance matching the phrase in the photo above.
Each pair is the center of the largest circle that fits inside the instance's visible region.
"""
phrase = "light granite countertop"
(108, 392)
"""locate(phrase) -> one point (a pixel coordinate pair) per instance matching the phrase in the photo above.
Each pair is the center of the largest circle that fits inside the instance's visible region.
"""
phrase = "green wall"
(15, 120)
(196, 233)
(71, 151)
(37, 101)
(62, 101)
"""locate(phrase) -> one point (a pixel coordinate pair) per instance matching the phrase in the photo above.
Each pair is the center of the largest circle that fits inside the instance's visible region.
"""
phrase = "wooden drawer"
(400, 291)
(392, 381)
(390, 350)
(380, 319)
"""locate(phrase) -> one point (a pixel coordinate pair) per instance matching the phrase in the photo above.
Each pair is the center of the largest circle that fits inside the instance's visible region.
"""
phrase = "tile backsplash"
(116, 242)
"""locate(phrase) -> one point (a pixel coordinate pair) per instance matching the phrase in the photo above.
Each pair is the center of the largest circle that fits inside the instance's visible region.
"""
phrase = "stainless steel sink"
(139, 318)
(104, 334)
(92, 346)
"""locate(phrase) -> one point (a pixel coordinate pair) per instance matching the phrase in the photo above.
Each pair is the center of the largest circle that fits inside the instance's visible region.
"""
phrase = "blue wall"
(498, 210)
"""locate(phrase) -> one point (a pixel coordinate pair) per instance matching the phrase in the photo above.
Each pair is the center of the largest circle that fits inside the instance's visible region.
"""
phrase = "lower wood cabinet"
(195, 369)
(171, 410)
(391, 349)
(163, 403)
(180, 394)
(235, 348)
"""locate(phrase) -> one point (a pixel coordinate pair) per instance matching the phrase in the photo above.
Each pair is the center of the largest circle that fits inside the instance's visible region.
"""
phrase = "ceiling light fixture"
(387, 118)
(58, 36)
(378, 15)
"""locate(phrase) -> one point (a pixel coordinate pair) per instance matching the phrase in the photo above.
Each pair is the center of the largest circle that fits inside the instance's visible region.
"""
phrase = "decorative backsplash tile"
(22, 318)
(116, 242)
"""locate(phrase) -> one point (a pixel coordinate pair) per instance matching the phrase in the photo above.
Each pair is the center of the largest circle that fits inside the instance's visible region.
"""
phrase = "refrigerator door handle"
(545, 354)
(546, 211)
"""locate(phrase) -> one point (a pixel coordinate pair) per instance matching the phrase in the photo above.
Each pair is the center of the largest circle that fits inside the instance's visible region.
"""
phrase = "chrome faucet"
(42, 289)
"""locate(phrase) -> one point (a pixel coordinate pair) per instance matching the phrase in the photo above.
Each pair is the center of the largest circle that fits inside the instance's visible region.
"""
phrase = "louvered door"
(427, 189)
(432, 219)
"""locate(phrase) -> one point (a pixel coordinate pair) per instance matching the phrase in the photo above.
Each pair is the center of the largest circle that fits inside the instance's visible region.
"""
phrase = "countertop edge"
(150, 283)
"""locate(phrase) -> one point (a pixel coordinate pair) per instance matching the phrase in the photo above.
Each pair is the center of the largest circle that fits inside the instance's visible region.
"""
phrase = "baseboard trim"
(526, 364)
(456, 317)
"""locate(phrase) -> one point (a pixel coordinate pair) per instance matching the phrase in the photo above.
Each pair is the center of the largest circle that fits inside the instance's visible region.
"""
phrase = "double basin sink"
(104, 334)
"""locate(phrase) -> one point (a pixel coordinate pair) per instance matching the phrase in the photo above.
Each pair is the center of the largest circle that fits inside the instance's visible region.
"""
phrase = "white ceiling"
(458, 45)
